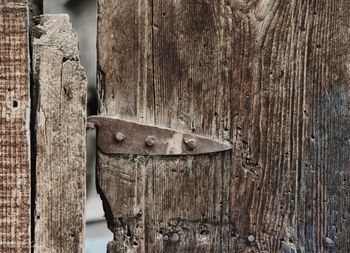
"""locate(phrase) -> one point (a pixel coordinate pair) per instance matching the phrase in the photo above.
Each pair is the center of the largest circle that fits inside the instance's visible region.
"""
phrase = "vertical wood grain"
(14, 128)
(272, 77)
(129, 27)
(60, 132)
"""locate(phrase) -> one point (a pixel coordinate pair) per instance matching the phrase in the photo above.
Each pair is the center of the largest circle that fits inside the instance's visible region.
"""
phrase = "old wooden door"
(269, 76)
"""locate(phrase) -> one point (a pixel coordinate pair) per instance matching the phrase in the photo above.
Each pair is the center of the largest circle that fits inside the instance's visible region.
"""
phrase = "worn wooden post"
(60, 136)
(14, 128)
(273, 78)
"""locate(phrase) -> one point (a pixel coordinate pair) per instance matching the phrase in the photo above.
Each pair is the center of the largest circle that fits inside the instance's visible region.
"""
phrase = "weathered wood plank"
(132, 74)
(164, 204)
(60, 132)
(14, 128)
(272, 77)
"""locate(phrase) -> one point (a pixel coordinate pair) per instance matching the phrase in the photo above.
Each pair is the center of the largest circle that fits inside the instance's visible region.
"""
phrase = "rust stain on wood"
(272, 77)
(14, 128)
(60, 132)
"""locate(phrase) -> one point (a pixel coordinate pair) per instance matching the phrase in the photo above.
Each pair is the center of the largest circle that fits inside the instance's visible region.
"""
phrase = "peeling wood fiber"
(60, 131)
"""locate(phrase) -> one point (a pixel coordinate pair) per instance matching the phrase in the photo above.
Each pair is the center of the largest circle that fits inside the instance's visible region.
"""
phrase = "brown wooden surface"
(270, 76)
(14, 128)
(60, 126)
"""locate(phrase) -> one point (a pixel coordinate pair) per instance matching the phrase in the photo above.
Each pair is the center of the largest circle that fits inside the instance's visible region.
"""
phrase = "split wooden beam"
(60, 84)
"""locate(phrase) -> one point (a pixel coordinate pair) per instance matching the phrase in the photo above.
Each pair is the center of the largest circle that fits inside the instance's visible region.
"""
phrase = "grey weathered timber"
(14, 128)
(273, 78)
(60, 136)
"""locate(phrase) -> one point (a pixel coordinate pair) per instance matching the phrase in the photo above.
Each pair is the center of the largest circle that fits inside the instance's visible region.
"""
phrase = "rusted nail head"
(150, 141)
(251, 238)
(119, 137)
(329, 241)
(175, 237)
(190, 143)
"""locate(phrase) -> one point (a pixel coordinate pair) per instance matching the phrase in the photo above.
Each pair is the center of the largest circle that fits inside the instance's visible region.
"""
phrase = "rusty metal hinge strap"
(120, 137)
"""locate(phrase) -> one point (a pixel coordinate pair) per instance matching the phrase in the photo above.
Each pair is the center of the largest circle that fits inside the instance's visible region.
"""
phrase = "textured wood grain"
(272, 77)
(60, 127)
(14, 128)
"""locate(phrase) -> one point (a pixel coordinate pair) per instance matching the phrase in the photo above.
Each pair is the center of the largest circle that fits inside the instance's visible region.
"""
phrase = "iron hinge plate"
(121, 137)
